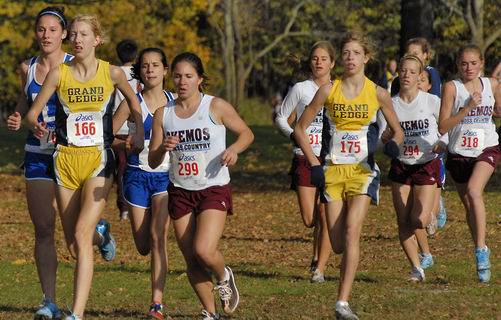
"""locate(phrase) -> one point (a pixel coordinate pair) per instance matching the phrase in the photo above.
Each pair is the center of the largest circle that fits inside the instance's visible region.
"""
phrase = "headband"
(54, 13)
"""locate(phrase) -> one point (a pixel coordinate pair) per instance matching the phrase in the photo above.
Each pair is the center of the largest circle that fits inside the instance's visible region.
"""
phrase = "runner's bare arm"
(304, 122)
(121, 83)
(156, 153)
(48, 88)
(15, 119)
(447, 121)
(120, 116)
(229, 117)
(390, 115)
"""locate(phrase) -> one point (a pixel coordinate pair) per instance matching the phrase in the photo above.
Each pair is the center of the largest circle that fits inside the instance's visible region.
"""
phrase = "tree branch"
(286, 33)
(453, 7)
(493, 36)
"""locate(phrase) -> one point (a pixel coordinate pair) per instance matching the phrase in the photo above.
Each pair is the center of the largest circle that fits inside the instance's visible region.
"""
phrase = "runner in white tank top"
(466, 112)
(193, 130)
(416, 170)
(320, 62)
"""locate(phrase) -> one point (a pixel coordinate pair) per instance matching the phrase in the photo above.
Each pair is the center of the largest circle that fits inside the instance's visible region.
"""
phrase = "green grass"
(269, 250)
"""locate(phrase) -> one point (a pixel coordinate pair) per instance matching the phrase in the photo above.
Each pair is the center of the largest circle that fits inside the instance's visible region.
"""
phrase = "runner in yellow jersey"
(351, 174)
(83, 159)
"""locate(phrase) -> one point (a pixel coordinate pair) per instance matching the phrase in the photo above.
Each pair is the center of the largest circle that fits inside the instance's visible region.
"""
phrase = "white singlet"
(196, 160)
(298, 97)
(419, 121)
(477, 130)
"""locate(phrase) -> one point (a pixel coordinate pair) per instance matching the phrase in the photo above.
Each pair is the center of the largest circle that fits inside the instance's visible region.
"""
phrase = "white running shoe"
(206, 315)
(317, 277)
(417, 275)
(228, 293)
(343, 312)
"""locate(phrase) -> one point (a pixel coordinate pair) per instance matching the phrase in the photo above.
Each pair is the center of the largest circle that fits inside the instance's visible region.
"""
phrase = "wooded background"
(244, 43)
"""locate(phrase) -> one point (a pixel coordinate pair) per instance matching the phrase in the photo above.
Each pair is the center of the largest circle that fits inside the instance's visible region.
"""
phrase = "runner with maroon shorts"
(320, 63)
(193, 129)
(468, 105)
(415, 173)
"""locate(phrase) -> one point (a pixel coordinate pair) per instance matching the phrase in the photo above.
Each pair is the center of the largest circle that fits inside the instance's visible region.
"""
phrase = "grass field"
(269, 251)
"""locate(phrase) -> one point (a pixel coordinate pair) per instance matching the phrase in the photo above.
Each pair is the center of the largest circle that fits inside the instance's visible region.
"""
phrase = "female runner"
(320, 63)
(83, 160)
(145, 189)
(350, 173)
(416, 172)
(50, 31)
(193, 129)
(468, 105)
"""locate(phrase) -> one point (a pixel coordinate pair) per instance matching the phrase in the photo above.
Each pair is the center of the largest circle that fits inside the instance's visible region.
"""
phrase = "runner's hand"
(229, 157)
(14, 121)
(39, 130)
(474, 100)
(391, 149)
(136, 143)
(170, 142)
(317, 176)
(387, 135)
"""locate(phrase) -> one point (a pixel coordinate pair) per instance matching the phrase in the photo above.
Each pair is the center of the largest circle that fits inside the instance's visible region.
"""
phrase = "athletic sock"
(340, 304)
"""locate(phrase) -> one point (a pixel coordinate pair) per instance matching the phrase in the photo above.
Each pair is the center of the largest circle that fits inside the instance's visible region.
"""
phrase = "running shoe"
(343, 312)
(108, 246)
(228, 293)
(317, 277)
(417, 275)
(124, 215)
(72, 317)
(206, 315)
(442, 214)
(431, 229)
(156, 311)
(483, 264)
(48, 310)
(426, 260)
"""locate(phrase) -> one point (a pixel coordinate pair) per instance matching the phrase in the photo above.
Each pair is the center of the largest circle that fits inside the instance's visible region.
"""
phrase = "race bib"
(349, 147)
(189, 169)
(85, 129)
(48, 141)
(410, 150)
(315, 139)
(470, 142)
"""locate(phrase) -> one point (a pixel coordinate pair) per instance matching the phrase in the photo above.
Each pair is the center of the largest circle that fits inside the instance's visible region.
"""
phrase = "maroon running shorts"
(183, 202)
(417, 174)
(461, 167)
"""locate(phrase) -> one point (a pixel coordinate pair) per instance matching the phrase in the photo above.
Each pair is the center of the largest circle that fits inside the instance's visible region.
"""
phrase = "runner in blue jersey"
(145, 188)
(50, 31)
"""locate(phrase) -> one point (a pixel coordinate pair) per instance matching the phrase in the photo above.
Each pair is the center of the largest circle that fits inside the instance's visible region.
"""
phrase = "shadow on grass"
(254, 239)
(113, 314)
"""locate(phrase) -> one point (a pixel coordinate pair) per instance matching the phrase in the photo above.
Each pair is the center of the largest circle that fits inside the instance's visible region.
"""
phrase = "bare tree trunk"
(473, 13)
(417, 17)
(229, 52)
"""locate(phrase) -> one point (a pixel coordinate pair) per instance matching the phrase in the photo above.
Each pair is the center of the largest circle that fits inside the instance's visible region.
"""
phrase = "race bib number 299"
(189, 169)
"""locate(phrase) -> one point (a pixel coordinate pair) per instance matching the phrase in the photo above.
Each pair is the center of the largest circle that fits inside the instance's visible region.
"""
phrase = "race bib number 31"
(85, 129)
(349, 147)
